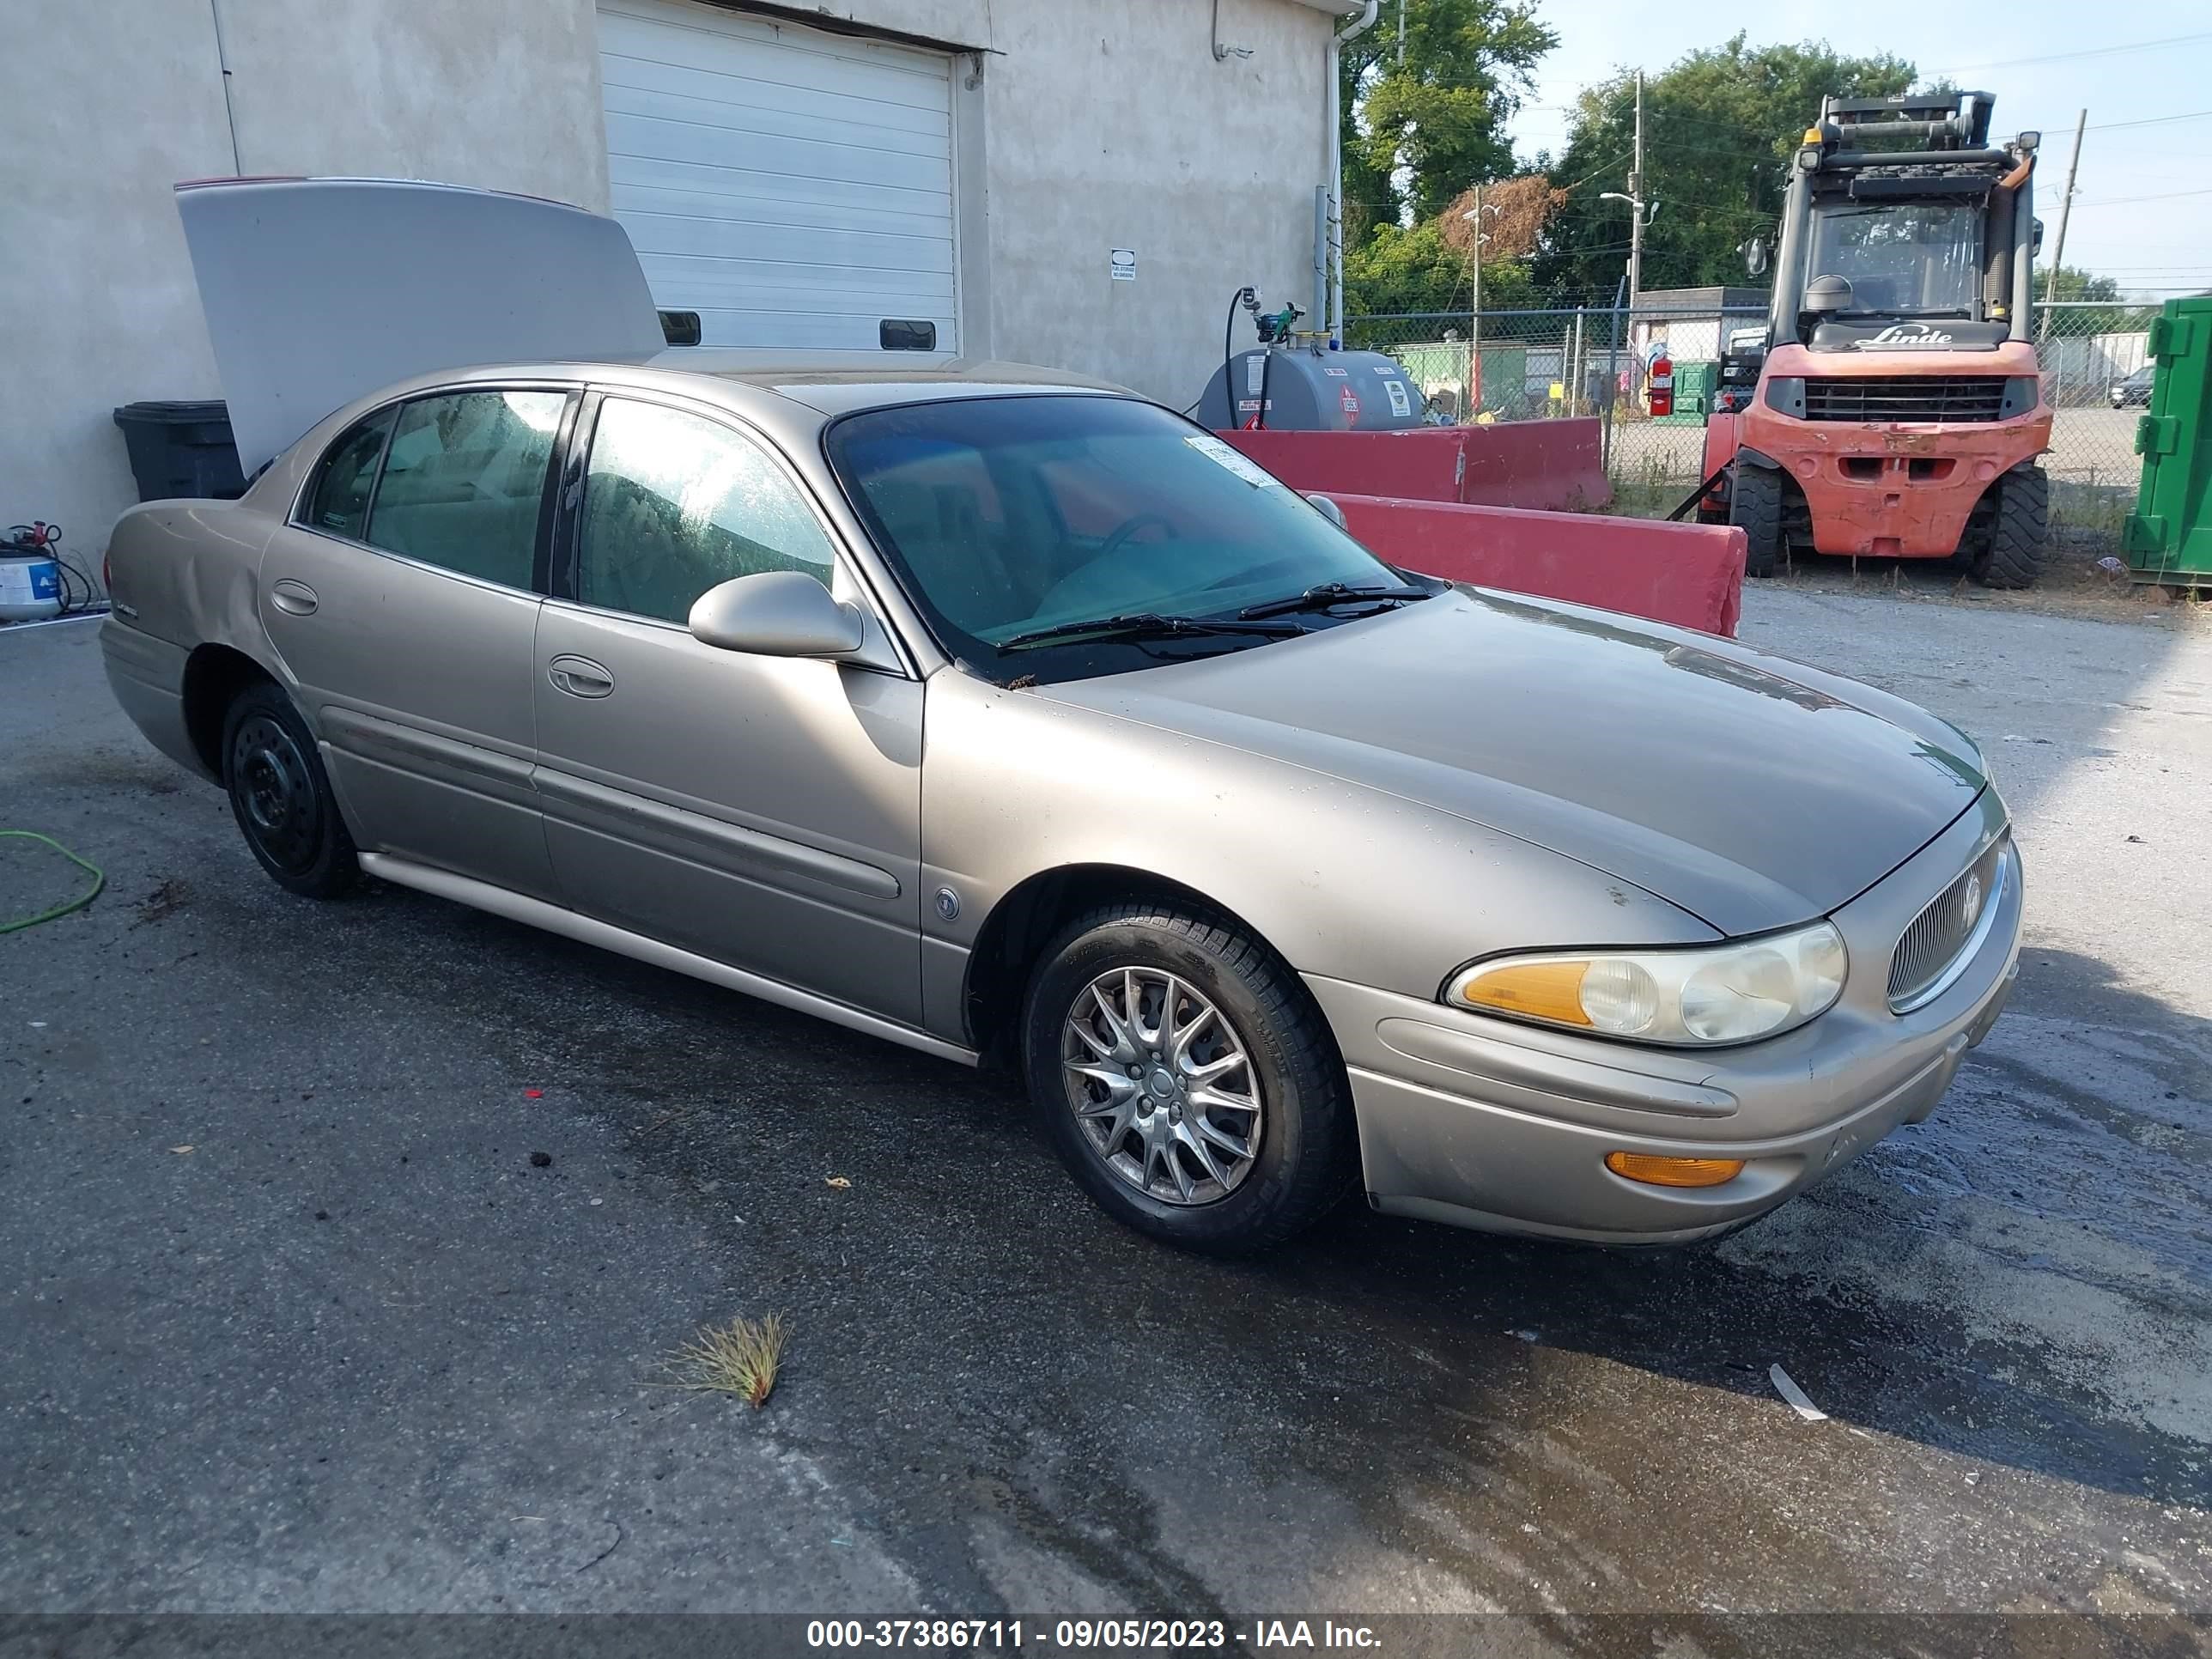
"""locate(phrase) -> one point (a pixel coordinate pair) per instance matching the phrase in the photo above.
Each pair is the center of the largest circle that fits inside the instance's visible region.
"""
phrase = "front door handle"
(294, 597)
(580, 677)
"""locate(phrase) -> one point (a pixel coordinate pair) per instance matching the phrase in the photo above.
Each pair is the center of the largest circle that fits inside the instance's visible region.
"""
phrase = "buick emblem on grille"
(1970, 902)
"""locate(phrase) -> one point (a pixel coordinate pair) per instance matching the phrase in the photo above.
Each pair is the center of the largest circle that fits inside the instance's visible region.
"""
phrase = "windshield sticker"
(1223, 456)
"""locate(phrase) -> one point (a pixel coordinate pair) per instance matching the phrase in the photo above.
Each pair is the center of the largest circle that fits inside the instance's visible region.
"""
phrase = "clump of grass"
(741, 1357)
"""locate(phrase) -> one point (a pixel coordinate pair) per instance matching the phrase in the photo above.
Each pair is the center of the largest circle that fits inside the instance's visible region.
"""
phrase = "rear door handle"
(580, 677)
(296, 597)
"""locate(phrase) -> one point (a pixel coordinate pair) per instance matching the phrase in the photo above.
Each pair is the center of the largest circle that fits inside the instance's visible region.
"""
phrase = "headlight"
(1720, 994)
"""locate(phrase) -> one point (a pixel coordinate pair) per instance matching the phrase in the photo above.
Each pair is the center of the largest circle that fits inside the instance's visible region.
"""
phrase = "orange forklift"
(1892, 406)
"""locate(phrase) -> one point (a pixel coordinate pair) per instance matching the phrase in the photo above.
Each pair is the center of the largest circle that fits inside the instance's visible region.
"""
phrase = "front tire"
(281, 796)
(1755, 504)
(1186, 1078)
(2019, 530)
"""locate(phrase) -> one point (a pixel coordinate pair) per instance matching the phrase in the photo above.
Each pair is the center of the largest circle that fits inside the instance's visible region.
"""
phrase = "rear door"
(404, 598)
(762, 812)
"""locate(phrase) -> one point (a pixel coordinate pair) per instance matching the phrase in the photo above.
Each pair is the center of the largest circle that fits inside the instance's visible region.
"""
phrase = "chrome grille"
(1951, 925)
(1940, 398)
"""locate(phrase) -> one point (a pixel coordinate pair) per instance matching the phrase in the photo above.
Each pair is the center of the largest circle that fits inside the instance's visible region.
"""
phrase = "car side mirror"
(1329, 510)
(776, 613)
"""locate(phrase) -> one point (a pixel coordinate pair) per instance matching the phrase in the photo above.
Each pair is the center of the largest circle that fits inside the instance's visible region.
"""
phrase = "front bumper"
(1485, 1123)
(1890, 489)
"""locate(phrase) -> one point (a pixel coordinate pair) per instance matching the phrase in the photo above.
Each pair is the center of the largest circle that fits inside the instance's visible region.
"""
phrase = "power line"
(2089, 51)
(2150, 121)
(2126, 201)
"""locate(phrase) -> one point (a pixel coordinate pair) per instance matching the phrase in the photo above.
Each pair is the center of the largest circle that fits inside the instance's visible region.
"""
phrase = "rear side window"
(675, 504)
(339, 502)
(464, 480)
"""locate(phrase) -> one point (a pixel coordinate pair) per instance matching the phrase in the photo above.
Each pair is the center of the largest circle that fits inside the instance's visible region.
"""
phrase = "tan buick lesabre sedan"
(1005, 715)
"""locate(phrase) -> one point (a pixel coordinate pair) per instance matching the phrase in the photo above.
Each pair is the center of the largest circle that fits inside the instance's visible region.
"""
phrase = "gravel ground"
(297, 1322)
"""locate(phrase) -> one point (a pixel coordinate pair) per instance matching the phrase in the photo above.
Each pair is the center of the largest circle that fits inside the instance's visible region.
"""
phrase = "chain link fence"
(1544, 363)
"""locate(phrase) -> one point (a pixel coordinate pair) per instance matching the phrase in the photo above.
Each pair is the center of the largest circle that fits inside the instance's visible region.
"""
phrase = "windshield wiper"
(1150, 624)
(1325, 594)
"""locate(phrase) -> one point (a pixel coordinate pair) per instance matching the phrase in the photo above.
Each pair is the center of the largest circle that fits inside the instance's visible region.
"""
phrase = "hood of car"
(318, 291)
(1751, 792)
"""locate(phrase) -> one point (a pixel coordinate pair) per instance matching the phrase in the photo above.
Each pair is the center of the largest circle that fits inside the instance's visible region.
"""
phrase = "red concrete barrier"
(1550, 464)
(1688, 574)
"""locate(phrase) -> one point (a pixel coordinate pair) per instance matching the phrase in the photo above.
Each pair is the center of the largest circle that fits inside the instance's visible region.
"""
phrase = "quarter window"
(340, 501)
(464, 481)
(675, 504)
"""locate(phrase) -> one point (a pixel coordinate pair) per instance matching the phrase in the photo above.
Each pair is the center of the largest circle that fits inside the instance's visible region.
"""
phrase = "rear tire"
(1755, 504)
(1171, 1153)
(281, 796)
(2019, 530)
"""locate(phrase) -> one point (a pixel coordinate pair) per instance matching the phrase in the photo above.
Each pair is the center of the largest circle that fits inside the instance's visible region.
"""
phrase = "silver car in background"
(1014, 717)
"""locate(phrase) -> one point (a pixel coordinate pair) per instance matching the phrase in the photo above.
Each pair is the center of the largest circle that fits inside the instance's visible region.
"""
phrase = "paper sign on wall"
(1122, 264)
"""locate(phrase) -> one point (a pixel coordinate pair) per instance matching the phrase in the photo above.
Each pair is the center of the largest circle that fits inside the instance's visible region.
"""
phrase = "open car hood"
(317, 291)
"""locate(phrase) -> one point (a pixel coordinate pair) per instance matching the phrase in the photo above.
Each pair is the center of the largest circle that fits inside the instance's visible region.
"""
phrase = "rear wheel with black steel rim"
(282, 798)
(1755, 504)
(1186, 1078)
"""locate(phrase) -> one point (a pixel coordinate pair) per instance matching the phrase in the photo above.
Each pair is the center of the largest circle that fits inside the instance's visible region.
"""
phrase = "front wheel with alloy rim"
(1186, 1078)
(281, 795)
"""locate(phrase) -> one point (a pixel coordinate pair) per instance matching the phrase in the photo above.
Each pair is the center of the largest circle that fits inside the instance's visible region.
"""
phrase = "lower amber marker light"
(1655, 1171)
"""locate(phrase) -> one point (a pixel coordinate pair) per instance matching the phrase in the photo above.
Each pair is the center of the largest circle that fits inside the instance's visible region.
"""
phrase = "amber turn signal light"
(1656, 1172)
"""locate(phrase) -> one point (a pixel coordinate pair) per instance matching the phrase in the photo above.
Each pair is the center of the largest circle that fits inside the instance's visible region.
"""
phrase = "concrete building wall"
(1111, 126)
(97, 306)
(1082, 128)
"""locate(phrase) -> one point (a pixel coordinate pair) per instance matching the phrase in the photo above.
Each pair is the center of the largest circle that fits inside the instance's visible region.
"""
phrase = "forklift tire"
(2021, 532)
(1755, 506)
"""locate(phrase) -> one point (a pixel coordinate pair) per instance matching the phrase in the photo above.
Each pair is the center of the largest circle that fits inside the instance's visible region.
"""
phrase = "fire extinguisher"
(1662, 386)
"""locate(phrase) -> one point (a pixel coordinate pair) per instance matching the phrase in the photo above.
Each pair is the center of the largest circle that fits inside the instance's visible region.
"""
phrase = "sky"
(2084, 56)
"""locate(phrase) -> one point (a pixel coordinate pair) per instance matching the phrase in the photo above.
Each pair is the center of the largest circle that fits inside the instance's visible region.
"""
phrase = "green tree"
(1417, 269)
(1719, 126)
(1416, 133)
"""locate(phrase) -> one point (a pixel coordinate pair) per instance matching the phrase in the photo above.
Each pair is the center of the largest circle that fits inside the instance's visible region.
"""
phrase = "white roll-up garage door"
(792, 186)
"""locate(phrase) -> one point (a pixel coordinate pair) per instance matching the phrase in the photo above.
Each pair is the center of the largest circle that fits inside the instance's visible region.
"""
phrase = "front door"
(761, 812)
(401, 599)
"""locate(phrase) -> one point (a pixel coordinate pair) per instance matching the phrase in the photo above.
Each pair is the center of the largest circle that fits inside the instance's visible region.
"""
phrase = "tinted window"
(675, 504)
(464, 481)
(1009, 514)
(339, 502)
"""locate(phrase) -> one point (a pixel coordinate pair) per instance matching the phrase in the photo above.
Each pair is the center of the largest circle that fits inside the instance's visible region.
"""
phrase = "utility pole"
(1636, 204)
(1474, 217)
(2059, 246)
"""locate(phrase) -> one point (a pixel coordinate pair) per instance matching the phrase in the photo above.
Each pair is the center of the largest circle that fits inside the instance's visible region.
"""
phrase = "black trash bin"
(181, 449)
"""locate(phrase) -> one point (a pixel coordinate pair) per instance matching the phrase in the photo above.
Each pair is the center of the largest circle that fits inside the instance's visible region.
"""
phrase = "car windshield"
(1010, 515)
(1904, 258)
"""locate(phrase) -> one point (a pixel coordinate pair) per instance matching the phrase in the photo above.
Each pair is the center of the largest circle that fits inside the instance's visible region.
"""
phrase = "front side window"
(464, 481)
(339, 503)
(675, 503)
(1005, 516)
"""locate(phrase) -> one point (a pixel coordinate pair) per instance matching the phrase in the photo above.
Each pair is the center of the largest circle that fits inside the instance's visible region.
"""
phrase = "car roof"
(839, 385)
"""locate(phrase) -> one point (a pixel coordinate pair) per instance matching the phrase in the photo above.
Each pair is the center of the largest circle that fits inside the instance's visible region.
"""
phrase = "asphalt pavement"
(295, 1319)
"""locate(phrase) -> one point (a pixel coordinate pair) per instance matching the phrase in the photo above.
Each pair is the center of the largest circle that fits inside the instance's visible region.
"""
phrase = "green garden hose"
(98, 880)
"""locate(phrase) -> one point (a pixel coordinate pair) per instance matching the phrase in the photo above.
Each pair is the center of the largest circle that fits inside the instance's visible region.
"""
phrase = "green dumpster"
(2168, 538)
